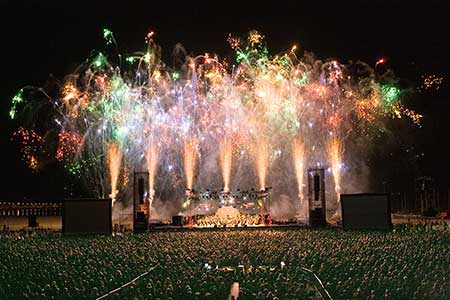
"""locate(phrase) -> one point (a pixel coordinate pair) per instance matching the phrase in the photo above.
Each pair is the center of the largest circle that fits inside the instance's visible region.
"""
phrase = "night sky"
(44, 41)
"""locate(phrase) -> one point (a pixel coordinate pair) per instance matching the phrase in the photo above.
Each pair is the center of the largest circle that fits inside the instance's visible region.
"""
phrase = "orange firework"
(70, 92)
(69, 143)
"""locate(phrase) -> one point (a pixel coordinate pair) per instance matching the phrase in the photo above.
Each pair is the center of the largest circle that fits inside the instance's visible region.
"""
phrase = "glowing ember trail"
(114, 162)
(190, 153)
(226, 156)
(335, 149)
(151, 157)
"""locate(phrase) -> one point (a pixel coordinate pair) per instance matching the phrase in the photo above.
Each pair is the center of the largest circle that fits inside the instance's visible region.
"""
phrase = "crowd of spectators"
(407, 262)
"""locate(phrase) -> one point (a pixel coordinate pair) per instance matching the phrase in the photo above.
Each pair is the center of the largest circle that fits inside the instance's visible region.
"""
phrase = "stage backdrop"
(366, 211)
(81, 216)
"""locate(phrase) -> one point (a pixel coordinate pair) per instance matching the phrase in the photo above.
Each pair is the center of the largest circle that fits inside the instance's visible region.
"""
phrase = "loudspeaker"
(140, 216)
(32, 221)
(141, 194)
(366, 211)
(316, 218)
(87, 216)
(316, 197)
(177, 220)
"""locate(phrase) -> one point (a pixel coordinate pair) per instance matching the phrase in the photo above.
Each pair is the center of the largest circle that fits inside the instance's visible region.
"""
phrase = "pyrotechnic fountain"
(114, 162)
(298, 155)
(108, 108)
(151, 157)
(262, 159)
(189, 155)
(226, 156)
(334, 149)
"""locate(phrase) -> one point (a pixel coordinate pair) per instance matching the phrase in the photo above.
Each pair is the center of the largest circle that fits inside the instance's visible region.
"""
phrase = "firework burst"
(105, 114)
